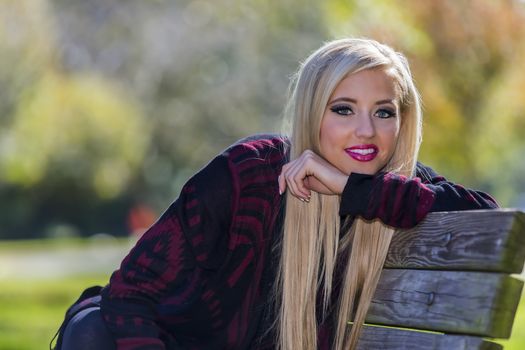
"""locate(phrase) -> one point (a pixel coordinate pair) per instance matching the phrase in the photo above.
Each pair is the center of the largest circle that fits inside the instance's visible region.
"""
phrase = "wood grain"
(380, 338)
(479, 240)
(474, 303)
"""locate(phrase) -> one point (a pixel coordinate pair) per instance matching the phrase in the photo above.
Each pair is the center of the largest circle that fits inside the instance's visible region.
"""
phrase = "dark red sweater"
(200, 277)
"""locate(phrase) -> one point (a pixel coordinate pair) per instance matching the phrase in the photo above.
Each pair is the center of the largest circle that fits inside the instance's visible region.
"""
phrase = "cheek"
(394, 134)
(328, 132)
(390, 134)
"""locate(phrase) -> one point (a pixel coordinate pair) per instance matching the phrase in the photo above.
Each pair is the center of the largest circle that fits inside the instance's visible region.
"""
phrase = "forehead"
(369, 84)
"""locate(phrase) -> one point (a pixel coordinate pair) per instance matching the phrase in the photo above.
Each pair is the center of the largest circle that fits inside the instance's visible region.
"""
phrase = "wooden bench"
(450, 275)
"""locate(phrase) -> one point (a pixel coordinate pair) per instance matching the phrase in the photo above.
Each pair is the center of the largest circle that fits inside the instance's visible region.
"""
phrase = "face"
(361, 122)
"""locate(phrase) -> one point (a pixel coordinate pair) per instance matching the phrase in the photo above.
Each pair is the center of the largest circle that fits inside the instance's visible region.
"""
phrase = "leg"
(87, 331)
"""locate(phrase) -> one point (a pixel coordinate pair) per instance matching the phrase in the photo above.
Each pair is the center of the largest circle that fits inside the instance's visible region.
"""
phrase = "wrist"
(340, 183)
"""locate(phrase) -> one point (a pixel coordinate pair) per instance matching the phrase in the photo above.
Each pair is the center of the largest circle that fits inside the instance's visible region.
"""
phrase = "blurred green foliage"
(107, 105)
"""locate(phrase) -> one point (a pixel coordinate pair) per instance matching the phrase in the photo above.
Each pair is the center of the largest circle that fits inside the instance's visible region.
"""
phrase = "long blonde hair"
(311, 247)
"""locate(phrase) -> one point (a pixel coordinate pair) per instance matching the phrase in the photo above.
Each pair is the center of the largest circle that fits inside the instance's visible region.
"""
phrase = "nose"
(364, 127)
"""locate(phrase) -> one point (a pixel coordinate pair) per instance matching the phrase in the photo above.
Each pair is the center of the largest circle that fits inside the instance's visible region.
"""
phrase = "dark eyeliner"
(390, 113)
(339, 108)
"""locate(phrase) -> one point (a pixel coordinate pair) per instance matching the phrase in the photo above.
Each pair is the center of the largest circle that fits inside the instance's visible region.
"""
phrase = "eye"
(385, 113)
(342, 110)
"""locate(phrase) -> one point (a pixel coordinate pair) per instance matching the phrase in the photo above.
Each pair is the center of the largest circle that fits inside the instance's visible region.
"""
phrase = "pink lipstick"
(362, 153)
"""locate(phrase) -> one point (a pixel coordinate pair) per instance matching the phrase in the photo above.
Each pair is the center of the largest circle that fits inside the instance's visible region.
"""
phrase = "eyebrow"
(347, 99)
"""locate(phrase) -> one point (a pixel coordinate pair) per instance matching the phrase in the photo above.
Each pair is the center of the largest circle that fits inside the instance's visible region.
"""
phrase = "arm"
(169, 258)
(402, 202)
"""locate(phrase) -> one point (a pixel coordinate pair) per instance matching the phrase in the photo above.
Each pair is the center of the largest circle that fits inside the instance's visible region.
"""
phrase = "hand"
(310, 172)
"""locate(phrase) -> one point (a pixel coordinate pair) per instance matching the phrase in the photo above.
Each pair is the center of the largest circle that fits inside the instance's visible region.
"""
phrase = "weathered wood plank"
(479, 240)
(380, 338)
(474, 303)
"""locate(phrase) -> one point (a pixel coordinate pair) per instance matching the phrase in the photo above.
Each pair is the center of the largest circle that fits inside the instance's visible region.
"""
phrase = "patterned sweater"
(200, 277)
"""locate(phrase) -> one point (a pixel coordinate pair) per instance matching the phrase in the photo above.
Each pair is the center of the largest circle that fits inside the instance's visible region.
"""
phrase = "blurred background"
(108, 106)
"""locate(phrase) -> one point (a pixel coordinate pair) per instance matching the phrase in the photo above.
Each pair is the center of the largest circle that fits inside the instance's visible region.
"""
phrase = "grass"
(32, 310)
(517, 340)
(37, 245)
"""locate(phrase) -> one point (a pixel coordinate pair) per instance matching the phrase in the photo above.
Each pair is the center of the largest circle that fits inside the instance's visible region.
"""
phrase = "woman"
(277, 239)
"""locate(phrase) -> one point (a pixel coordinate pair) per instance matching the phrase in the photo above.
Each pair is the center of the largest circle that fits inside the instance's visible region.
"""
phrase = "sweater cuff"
(356, 194)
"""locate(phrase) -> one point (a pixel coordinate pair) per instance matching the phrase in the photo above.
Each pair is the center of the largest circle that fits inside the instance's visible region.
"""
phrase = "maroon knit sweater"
(200, 277)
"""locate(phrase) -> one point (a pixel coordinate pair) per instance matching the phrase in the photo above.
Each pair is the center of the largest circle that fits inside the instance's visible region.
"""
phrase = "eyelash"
(389, 113)
(338, 109)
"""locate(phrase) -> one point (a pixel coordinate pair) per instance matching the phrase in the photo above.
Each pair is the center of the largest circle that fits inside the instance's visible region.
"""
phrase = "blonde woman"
(278, 240)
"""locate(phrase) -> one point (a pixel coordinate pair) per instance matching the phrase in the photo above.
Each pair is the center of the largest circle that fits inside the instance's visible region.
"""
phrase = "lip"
(356, 152)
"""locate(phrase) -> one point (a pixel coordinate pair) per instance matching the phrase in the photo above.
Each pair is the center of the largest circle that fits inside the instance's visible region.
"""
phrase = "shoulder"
(259, 150)
(256, 161)
(425, 173)
(261, 153)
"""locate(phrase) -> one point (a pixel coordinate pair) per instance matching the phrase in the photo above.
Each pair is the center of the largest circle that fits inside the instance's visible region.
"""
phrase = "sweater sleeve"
(403, 202)
(166, 264)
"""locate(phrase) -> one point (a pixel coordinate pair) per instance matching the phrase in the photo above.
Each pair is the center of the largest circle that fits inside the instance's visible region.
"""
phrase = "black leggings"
(87, 331)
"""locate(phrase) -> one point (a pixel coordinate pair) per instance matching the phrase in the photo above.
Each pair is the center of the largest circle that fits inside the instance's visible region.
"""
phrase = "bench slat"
(480, 240)
(380, 338)
(474, 303)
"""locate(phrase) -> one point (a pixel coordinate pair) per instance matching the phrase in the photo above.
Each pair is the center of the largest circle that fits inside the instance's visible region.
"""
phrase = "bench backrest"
(450, 274)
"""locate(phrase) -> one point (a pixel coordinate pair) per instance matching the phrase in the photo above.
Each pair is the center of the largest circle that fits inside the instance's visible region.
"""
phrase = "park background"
(108, 106)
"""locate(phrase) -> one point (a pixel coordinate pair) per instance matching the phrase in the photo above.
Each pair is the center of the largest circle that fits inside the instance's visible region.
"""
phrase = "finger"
(296, 176)
(292, 188)
(300, 176)
(282, 178)
(281, 183)
(298, 180)
(286, 176)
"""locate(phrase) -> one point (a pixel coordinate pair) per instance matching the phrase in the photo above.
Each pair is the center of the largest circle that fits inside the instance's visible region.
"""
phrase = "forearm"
(403, 202)
(396, 201)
